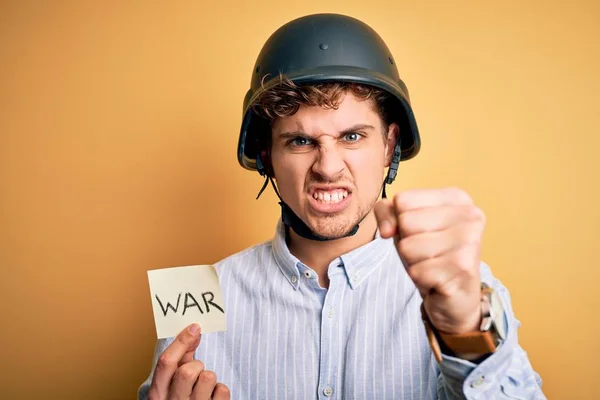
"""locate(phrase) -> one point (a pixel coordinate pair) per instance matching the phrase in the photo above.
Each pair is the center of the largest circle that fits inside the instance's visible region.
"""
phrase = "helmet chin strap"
(291, 220)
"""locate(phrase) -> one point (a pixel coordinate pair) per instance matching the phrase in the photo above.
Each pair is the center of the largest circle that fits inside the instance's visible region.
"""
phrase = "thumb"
(193, 337)
(385, 214)
(179, 352)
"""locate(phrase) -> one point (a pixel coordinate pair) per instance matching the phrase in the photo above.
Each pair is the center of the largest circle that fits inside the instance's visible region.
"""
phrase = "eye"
(352, 137)
(300, 141)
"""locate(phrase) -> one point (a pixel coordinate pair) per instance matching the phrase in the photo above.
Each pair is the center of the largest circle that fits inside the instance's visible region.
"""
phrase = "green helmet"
(323, 48)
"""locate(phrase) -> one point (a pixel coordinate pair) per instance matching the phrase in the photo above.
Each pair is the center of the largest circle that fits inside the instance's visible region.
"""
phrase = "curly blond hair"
(286, 97)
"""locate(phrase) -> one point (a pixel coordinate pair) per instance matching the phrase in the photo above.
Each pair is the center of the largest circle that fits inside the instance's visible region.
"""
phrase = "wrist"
(473, 345)
(470, 324)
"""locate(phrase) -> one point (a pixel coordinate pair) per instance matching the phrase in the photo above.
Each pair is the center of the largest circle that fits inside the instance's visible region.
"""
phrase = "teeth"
(330, 197)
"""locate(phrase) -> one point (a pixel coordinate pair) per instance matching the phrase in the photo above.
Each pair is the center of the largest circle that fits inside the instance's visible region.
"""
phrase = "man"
(354, 297)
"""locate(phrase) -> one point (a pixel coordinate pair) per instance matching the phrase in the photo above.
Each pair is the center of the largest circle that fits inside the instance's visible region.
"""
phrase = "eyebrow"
(353, 128)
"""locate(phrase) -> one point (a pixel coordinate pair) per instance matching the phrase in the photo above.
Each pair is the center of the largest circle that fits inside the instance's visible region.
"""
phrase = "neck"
(318, 255)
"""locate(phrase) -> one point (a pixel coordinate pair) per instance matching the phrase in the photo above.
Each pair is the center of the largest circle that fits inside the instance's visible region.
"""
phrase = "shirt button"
(478, 382)
(308, 274)
(328, 391)
(330, 313)
(294, 279)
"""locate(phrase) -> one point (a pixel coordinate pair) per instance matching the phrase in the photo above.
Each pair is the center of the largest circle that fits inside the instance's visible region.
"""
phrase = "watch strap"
(468, 346)
(469, 343)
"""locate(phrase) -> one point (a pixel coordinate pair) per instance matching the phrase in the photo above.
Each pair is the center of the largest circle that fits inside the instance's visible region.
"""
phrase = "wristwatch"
(471, 345)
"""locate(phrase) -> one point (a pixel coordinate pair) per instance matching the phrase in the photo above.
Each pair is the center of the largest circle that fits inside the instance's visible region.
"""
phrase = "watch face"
(497, 312)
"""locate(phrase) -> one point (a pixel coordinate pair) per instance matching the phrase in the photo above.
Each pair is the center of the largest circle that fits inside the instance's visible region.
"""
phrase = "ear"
(390, 142)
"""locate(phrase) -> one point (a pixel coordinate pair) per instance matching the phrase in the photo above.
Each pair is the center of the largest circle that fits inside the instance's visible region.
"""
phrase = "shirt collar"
(286, 261)
(363, 261)
(357, 264)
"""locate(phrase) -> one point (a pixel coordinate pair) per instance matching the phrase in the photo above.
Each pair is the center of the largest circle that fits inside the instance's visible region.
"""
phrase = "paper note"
(184, 295)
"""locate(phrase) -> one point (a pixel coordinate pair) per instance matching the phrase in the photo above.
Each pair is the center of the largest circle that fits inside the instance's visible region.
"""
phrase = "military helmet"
(322, 48)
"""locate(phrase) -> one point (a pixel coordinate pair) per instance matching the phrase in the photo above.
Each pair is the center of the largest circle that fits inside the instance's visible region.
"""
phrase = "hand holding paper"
(184, 295)
(183, 300)
(178, 376)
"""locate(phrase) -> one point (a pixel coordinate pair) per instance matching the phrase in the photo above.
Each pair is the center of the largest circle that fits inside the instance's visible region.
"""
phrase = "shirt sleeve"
(506, 374)
(160, 346)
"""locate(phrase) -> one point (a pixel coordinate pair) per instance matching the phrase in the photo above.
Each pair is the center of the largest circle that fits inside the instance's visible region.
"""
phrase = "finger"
(185, 343)
(205, 386)
(221, 392)
(425, 198)
(185, 378)
(445, 274)
(386, 218)
(433, 219)
(423, 246)
(188, 355)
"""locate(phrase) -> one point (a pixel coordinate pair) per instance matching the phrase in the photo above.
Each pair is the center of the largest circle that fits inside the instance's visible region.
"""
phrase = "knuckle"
(474, 238)
(482, 217)
(404, 247)
(415, 275)
(449, 288)
(165, 361)
(475, 213)
(208, 377)
(460, 195)
(463, 259)
(222, 390)
(187, 371)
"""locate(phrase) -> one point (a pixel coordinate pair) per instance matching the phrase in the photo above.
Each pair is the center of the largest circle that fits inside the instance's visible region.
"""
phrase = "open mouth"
(329, 200)
(330, 196)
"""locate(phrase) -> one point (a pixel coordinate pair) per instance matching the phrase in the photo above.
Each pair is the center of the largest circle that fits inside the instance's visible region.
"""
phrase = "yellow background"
(118, 133)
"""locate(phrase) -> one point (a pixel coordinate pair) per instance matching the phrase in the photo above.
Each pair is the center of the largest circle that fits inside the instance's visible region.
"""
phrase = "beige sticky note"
(184, 295)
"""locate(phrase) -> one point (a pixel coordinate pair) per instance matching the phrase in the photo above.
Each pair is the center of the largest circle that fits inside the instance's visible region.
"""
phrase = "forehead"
(315, 120)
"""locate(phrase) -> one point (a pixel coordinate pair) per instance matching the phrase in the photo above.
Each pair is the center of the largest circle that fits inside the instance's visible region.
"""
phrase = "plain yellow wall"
(118, 133)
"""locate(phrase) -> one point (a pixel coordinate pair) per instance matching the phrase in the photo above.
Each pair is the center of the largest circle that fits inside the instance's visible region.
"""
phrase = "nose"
(329, 163)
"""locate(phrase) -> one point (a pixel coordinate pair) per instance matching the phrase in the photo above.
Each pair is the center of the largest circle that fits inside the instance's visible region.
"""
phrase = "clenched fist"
(438, 235)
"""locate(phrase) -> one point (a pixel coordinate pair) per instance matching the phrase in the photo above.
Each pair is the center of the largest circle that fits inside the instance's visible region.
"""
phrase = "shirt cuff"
(464, 376)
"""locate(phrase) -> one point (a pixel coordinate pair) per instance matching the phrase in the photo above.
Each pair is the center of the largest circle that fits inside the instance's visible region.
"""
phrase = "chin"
(331, 227)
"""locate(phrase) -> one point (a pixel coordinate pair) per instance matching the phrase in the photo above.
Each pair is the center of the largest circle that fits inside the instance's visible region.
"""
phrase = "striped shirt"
(362, 338)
